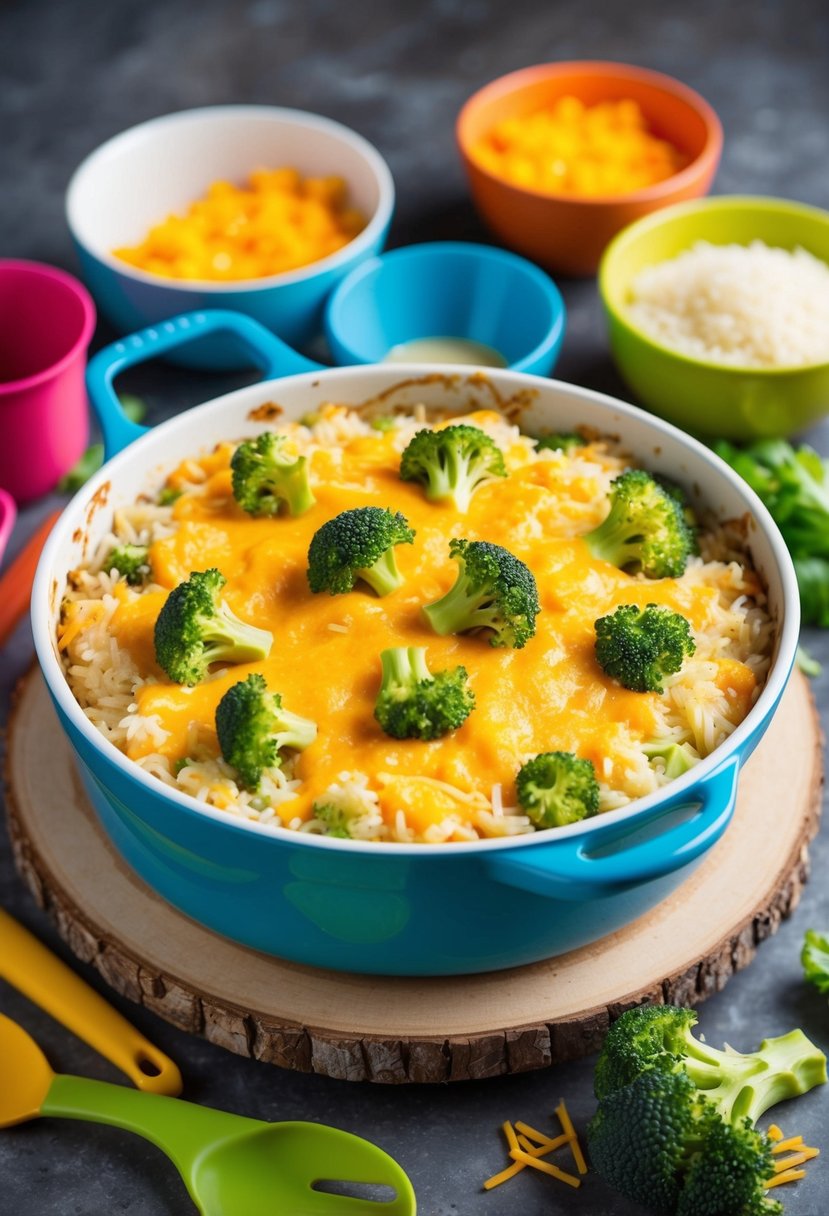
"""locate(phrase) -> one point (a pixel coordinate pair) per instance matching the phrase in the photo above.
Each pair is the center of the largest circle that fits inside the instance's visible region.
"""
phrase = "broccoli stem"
(294, 488)
(461, 609)
(384, 576)
(745, 1085)
(294, 731)
(228, 638)
(404, 666)
(610, 539)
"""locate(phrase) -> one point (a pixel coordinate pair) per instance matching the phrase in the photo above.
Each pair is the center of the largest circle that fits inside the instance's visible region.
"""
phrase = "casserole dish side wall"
(396, 909)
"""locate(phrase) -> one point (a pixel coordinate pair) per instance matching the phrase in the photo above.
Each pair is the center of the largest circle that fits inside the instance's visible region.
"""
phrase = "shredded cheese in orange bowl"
(353, 779)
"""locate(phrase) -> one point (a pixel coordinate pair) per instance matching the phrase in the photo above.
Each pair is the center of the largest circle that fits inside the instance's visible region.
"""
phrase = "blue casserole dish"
(396, 909)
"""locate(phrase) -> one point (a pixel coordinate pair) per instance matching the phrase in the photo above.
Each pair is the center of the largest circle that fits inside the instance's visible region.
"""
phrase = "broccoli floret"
(131, 561)
(168, 496)
(415, 704)
(815, 959)
(334, 818)
(661, 1145)
(452, 463)
(645, 530)
(493, 590)
(565, 441)
(677, 758)
(253, 728)
(196, 628)
(675, 1125)
(557, 788)
(640, 646)
(358, 544)
(265, 478)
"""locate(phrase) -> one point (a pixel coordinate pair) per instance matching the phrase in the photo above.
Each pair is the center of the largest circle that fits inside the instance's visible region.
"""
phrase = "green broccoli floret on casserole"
(196, 628)
(253, 727)
(265, 478)
(413, 703)
(131, 561)
(493, 591)
(358, 544)
(168, 495)
(640, 646)
(452, 463)
(557, 788)
(675, 1125)
(645, 529)
(564, 441)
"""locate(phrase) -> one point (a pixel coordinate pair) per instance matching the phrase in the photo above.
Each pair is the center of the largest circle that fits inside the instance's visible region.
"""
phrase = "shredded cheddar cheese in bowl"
(350, 776)
(277, 222)
(587, 151)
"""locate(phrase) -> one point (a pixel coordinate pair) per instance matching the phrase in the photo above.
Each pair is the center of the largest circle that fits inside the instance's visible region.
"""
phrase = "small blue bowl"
(447, 290)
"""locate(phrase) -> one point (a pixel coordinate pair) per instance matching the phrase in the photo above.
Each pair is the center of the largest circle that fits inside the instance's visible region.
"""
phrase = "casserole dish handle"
(268, 352)
(602, 864)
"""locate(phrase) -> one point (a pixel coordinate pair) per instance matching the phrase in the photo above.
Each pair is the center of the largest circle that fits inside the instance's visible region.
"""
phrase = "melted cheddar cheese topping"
(325, 662)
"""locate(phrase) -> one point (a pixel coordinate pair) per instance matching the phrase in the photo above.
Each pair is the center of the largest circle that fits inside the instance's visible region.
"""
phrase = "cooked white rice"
(743, 305)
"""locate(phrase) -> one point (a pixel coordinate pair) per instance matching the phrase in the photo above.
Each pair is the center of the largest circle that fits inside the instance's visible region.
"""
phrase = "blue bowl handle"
(586, 868)
(268, 352)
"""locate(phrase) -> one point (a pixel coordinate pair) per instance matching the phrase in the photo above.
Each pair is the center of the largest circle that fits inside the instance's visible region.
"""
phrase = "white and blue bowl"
(398, 909)
(139, 177)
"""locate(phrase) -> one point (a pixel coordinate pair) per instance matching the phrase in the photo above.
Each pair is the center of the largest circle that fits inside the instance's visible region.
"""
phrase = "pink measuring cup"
(46, 322)
(7, 518)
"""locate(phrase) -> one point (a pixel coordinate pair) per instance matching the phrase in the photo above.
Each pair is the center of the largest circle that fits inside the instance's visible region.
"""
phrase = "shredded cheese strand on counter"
(527, 1146)
(575, 1148)
(786, 1168)
(546, 1167)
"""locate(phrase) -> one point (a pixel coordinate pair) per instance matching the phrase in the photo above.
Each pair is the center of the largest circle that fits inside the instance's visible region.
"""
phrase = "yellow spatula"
(43, 978)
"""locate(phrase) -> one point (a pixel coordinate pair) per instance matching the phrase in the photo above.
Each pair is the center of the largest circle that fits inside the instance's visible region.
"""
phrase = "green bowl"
(703, 397)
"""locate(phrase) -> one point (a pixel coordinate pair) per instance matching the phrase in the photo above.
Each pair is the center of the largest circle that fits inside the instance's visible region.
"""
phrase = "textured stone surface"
(72, 74)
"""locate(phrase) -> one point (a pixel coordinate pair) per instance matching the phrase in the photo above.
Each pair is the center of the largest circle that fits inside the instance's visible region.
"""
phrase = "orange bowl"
(561, 231)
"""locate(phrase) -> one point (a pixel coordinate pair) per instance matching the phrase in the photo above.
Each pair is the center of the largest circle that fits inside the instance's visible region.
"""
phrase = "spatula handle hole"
(148, 1067)
(371, 1192)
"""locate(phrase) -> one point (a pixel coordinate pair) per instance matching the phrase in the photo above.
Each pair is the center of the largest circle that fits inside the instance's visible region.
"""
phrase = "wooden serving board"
(396, 1030)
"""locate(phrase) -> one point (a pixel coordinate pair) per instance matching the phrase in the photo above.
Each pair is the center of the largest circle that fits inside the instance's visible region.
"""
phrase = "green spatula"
(231, 1166)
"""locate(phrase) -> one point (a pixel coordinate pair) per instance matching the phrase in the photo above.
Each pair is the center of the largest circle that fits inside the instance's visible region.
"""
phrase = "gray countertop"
(74, 73)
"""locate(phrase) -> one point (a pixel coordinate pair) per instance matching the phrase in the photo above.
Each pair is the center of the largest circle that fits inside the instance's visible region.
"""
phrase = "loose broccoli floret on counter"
(265, 478)
(557, 788)
(640, 646)
(334, 818)
(452, 463)
(675, 1125)
(677, 758)
(131, 561)
(815, 959)
(415, 704)
(253, 728)
(493, 590)
(196, 628)
(565, 441)
(358, 544)
(645, 530)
